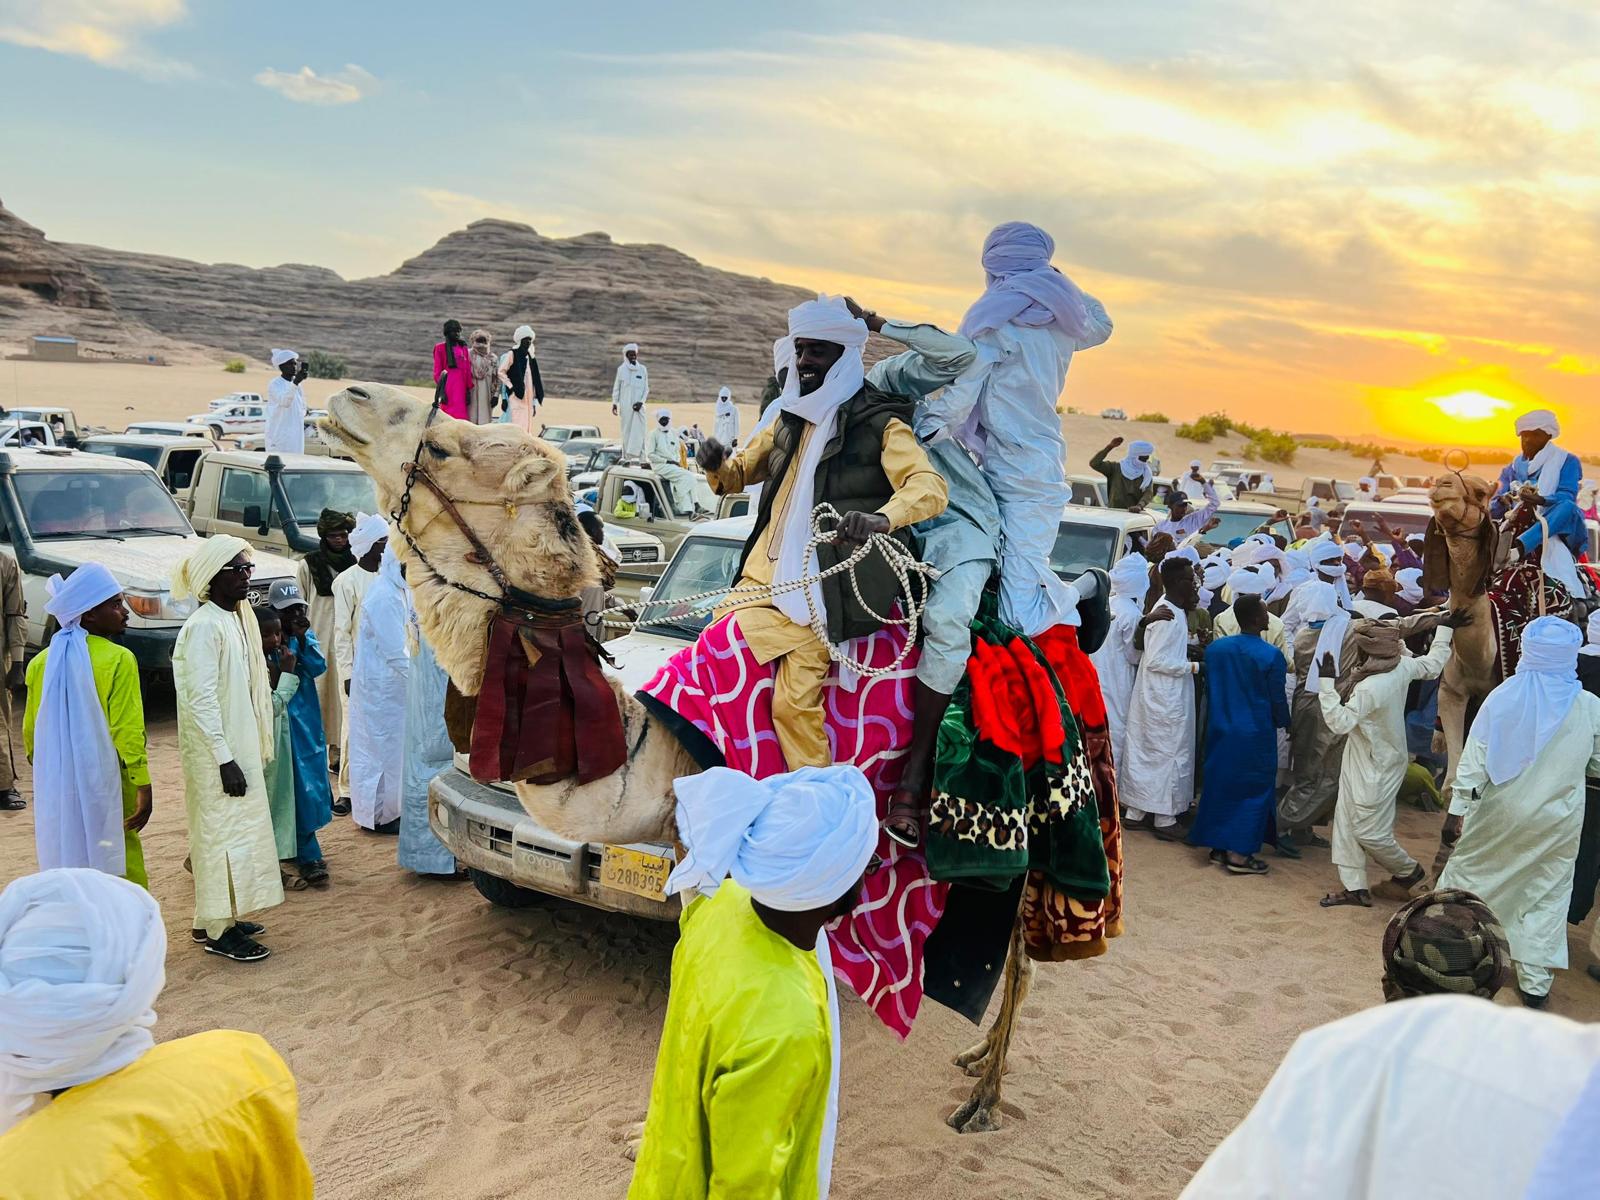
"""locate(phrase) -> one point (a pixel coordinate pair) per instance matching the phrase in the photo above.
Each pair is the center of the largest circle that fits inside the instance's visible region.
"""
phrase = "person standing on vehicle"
(13, 645)
(629, 391)
(366, 543)
(83, 730)
(1130, 481)
(224, 701)
(519, 374)
(286, 405)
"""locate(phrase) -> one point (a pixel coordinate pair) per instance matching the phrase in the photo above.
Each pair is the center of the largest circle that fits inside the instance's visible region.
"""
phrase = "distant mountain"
(698, 327)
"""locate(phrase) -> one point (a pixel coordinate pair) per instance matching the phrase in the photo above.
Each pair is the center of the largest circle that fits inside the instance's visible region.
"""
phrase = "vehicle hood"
(639, 656)
(148, 563)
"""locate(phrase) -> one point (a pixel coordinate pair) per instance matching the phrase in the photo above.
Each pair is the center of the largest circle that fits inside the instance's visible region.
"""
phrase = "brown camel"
(511, 489)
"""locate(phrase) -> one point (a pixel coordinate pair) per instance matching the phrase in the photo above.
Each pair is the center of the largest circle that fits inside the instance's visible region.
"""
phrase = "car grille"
(257, 595)
(638, 554)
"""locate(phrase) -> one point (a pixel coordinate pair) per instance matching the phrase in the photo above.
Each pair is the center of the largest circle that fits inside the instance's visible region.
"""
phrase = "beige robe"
(330, 693)
(349, 588)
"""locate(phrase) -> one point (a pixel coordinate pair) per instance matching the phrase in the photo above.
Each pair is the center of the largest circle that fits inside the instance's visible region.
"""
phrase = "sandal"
(1170, 833)
(293, 883)
(11, 801)
(903, 825)
(248, 928)
(1339, 899)
(1250, 866)
(1409, 881)
(237, 947)
(341, 808)
(315, 873)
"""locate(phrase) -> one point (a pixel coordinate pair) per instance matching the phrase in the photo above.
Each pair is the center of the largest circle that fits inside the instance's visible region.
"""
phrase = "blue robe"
(1562, 514)
(313, 797)
(428, 751)
(1245, 693)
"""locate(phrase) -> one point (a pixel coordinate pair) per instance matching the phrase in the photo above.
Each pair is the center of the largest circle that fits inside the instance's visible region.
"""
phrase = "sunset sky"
(1319, 217)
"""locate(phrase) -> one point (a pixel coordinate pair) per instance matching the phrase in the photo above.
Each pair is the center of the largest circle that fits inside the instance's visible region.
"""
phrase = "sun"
(1470, 406)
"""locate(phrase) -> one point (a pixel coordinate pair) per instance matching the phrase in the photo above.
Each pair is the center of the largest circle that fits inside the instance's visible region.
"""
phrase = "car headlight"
(158, 605)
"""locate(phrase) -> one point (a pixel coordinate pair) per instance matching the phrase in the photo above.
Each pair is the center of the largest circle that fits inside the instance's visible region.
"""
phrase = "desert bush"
(234, 366)
(1154, 418)
(322, 365)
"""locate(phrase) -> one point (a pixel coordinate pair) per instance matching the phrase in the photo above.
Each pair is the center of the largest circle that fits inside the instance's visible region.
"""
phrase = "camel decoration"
(510, 488)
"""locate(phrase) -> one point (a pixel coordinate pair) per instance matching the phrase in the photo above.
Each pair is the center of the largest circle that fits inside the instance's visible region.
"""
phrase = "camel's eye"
(435, 450)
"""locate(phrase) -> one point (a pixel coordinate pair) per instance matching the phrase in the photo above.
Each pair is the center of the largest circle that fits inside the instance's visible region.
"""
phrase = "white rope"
(901, 561)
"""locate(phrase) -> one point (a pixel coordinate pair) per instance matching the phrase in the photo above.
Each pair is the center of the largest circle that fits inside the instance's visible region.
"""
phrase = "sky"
(1362, 218)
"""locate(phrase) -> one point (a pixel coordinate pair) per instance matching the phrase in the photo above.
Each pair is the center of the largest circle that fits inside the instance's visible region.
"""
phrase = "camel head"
(1460, 503)
(509, 487)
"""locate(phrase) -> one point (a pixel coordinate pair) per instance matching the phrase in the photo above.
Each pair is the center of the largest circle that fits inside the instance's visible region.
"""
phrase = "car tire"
(216, 432)
(502, 893)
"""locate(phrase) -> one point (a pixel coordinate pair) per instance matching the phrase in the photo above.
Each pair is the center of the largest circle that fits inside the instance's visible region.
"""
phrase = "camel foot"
(974, 1056)
(977, 1115)
(632, 1139)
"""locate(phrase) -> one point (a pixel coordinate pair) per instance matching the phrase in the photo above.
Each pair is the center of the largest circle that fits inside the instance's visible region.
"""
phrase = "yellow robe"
(116, 682)
(210, 1115)
(741, 1085)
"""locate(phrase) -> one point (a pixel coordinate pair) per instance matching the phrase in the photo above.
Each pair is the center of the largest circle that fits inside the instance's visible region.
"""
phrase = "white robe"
(349, 586)
(286, 417)
(1439, 1096)
(726, 428)
(1519, 842)
(1158, 776)
(231, 842)
(629, 392)
(330, 692)
(1373, 724)
(378, 701)
(689, 491)
(1117, 664)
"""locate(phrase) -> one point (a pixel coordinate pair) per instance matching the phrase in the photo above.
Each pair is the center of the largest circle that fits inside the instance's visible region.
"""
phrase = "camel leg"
(980, 1113)
(1452, 721)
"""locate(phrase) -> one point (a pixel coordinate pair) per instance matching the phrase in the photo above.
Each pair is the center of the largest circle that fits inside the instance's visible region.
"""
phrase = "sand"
(444, 1047)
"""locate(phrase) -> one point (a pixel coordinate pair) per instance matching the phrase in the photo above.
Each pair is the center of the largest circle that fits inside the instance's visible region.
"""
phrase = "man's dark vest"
(851, 478)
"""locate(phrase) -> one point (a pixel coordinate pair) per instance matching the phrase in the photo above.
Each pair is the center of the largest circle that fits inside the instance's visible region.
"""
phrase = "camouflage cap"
(1445, 942)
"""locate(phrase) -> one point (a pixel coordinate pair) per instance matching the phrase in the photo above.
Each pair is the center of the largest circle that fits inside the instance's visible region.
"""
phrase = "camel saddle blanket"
(718, 696)
(1513, 602)
(544, 712)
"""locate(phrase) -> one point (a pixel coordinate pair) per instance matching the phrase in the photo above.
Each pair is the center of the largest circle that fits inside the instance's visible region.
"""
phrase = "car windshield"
(1347, 491)
(702, 564)
(1079, 547)
(150, 456)
(604, 458)
(1407, 522)
(1235, 525)
(579, 449)
(312, 491)
(61, 504)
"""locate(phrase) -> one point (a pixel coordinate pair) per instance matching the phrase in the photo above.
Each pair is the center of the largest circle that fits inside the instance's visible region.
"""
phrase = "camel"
(1471, 542)
(511, 488)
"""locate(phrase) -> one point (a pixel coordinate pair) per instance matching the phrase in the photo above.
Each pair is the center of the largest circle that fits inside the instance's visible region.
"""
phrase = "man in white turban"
(745, 1096)
(1117, 660)
(225, 737)
(367, 542)
(690, 495)
(830, 437)
(1259, 581)
(1548, 477)
(518, 372)
(1327, 561)
(90, 1106)
(726, 426)
(629, 392)
(286, 405)
(1516, 811)
(1192, 484)
(1156, 784)
(83, 730)
(1130, 480)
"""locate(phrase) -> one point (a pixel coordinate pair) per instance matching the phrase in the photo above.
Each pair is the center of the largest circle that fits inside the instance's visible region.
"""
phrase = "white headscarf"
(1591, 644)
(523, 331)
(824, 319)
(1523, 713)
(369, 531)
(193, 579)
(634, 346)
(82, 960)
(1130, 583)
(1410, 581)
(279, 357)
(1297, 569)
(1250, 581)
(1132, 468)
(1544, 468)
(1319, 602)
(1024, 289)
(1327, 560)
(77, 778)
(1368, 485)
(663, 414)
(1541, 420)
(1215, 576)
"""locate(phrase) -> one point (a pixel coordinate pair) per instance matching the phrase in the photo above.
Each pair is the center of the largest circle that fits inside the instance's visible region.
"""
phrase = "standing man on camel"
(830, 437)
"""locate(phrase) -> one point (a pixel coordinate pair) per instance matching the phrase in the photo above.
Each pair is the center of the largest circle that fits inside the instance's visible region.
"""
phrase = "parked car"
(239, 417)
(1096, 537)
(273, 500)
(559, 434)
(15, 431)
(175, 459)
(1113, 414)
(61, 508)
(1241, 518)
(233, 398)
(63, 422)
(172, 428)
(587, 475)
(1328, 492)
(656, 515)
(1409, 519)
(1088, 490)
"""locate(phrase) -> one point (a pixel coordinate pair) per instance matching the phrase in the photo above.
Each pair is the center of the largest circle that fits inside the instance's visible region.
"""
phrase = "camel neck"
(1464, 552)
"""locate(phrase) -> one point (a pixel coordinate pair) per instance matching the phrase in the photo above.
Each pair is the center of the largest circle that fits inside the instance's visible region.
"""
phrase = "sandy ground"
(444, 1047)
(114, 394)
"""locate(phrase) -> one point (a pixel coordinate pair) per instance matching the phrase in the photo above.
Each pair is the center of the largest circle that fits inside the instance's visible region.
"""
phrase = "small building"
(56, 349)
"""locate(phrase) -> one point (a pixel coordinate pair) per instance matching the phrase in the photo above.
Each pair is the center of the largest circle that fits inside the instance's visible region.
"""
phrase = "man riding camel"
(830, 437)
(1548, 477)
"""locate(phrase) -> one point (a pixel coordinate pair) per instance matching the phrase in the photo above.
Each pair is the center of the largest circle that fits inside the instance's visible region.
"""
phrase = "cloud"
(305, 86)
(107, 32)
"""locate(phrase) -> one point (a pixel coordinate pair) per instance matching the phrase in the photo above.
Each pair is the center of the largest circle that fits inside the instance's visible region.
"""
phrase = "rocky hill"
(586, 296)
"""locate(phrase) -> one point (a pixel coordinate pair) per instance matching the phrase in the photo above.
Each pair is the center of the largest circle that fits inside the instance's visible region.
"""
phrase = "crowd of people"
(1282, 681)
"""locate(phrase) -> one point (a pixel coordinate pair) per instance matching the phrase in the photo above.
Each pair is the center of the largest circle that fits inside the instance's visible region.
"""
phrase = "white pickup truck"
(61, 508)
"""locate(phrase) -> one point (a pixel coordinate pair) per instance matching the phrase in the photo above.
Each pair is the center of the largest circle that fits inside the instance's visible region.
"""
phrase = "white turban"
(1194, 464)
(1410, 581)
(524, 331)
(797, 841)
(1320, 602)
(1367, 483)
(369, 531)
(1591, 644)
(193, 579)
(663, 414)
(1523, 713)
(77, 777)
(825, 319)
(82, 960)
(1132, 468)
(725, 393)
(1541, 419)
(1215, 576)
(279, 357)
(1024, 288)
(1248, 581)
(1130, 582)
(1187, 553)
(634, 346)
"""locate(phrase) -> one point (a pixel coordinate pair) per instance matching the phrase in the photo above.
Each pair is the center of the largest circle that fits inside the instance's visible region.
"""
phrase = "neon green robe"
(116, 681)
(741, 1085)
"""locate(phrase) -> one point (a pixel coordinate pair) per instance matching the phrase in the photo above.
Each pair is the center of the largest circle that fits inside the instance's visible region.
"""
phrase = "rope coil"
(901, 561)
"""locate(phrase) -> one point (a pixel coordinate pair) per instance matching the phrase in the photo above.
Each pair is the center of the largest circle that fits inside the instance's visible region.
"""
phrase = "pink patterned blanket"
(717, 686)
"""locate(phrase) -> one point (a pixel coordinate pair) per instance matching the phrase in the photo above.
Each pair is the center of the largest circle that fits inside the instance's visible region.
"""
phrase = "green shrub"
(234, 366)
(322, 365)
(1154, 418)
(1273, 447)
(421, 381)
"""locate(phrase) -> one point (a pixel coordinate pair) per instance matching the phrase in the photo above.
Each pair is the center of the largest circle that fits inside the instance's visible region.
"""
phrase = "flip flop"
(1341, 899)
(1250, 866)
(903, 813)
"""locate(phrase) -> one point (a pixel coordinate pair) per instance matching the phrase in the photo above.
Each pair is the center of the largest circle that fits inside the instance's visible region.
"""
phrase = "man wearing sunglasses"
(225, 736)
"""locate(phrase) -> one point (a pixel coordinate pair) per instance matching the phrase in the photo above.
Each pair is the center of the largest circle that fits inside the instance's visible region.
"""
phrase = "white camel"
(511, 489)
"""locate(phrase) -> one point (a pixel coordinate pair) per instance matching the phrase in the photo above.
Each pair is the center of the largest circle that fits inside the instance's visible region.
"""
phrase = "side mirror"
(252, 515)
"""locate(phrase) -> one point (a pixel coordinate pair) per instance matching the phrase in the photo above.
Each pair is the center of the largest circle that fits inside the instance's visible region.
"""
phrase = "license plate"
(635, 872)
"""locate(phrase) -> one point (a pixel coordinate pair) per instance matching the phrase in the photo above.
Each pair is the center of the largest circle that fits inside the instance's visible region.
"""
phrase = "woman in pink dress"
(453, 360)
